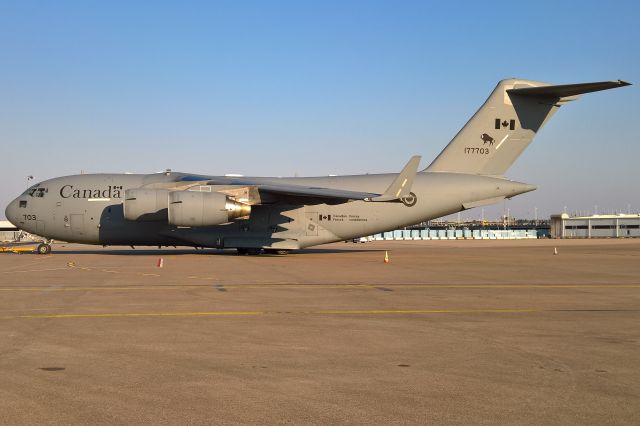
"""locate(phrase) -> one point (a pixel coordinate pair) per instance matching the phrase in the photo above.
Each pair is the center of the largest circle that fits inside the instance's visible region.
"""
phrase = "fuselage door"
(40, 227)
(77, 224)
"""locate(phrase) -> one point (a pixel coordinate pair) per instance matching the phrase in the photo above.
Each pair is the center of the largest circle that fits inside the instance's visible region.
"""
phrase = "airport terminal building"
(596, 226)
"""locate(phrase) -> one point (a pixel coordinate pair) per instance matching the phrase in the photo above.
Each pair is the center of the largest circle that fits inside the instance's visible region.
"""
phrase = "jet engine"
(145, 205)
(194, 208)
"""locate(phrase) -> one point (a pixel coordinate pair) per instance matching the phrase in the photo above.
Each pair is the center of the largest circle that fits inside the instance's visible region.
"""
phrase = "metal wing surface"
(294, 190)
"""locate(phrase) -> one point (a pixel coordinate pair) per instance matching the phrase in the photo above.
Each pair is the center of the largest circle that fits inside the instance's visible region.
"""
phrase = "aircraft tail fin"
(506, 124)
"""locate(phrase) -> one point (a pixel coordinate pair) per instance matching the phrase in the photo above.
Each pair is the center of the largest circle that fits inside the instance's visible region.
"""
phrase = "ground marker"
(386, 257)
(160, 263)
(555, 250)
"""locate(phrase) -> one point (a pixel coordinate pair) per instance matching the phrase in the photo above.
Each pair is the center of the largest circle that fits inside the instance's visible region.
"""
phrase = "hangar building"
(8, 232)
(596, 226)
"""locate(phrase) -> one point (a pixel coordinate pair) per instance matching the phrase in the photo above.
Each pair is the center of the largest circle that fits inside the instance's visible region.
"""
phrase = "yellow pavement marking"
(253, 313)
(519, 285)
(72, 265)
(116, 315)
(317, 286)
(98, 288)
(424, 311)
(34, 270)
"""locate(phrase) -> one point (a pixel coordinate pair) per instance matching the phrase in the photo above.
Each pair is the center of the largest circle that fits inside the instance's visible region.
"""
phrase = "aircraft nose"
(11, 212)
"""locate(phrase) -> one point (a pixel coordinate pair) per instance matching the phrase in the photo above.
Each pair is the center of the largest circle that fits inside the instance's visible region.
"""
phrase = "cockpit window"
(36, 191)
(32, 189)
(23, 203)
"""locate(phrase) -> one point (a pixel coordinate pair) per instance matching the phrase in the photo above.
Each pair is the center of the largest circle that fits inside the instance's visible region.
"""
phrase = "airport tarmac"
(456, 332)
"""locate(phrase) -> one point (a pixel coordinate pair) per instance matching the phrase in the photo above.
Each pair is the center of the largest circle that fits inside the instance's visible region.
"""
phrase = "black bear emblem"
(486, 138)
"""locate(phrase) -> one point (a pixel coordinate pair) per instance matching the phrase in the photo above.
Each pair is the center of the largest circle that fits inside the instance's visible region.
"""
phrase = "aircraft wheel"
(281, 252)
(44, 249)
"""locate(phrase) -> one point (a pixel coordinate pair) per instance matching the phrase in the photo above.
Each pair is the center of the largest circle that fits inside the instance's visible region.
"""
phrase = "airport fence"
(456, 234)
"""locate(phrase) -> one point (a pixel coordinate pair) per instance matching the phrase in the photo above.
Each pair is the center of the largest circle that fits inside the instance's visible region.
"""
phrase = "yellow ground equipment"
(40, 248)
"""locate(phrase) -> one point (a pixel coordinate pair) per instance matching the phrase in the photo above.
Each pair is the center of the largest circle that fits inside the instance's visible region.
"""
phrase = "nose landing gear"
(43, 248)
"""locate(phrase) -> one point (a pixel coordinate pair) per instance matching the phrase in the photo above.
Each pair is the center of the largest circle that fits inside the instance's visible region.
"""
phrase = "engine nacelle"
(194, 208)
(145, 205)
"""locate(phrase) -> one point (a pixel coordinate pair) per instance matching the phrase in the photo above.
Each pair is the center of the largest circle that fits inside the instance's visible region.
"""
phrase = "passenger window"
(23, 204)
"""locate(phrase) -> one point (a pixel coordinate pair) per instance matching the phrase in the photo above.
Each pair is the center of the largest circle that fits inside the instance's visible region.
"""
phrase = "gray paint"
(291, 213)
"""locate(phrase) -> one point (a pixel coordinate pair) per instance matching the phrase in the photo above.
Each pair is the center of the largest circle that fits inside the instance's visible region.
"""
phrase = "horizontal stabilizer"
(566, 90)
(401, 185)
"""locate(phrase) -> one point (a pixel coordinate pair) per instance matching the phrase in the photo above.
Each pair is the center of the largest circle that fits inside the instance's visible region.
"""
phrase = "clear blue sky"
(313, 88)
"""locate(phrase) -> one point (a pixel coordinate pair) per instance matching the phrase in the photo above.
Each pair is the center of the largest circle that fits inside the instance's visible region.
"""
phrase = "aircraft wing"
(313, 192)
(398, 189)
(294, 190)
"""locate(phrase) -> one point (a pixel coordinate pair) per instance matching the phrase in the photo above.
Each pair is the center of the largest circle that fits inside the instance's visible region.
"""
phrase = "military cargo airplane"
(275, 215)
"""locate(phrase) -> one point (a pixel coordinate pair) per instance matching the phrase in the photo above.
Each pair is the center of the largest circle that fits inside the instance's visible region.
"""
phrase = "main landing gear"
(280, 252)
(253, 251)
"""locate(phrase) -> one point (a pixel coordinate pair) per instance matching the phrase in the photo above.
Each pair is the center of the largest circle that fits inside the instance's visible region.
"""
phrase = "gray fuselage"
(89, 209)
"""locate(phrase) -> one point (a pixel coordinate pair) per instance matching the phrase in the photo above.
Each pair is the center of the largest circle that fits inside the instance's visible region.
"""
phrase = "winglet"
(401, 185)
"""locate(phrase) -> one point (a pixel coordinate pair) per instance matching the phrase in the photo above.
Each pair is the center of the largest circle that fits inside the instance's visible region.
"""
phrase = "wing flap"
(315, 192)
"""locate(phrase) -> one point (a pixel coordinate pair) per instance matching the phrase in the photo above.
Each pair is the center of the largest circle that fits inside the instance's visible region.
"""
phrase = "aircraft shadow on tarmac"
(208, 252)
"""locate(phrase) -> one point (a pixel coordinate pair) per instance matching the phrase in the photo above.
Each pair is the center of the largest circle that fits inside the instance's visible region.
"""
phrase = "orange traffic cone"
(160, 262)
(386, 257)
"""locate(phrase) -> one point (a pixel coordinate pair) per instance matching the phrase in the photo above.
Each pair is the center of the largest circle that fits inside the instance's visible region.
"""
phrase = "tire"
(43, 249)
(280, 252)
